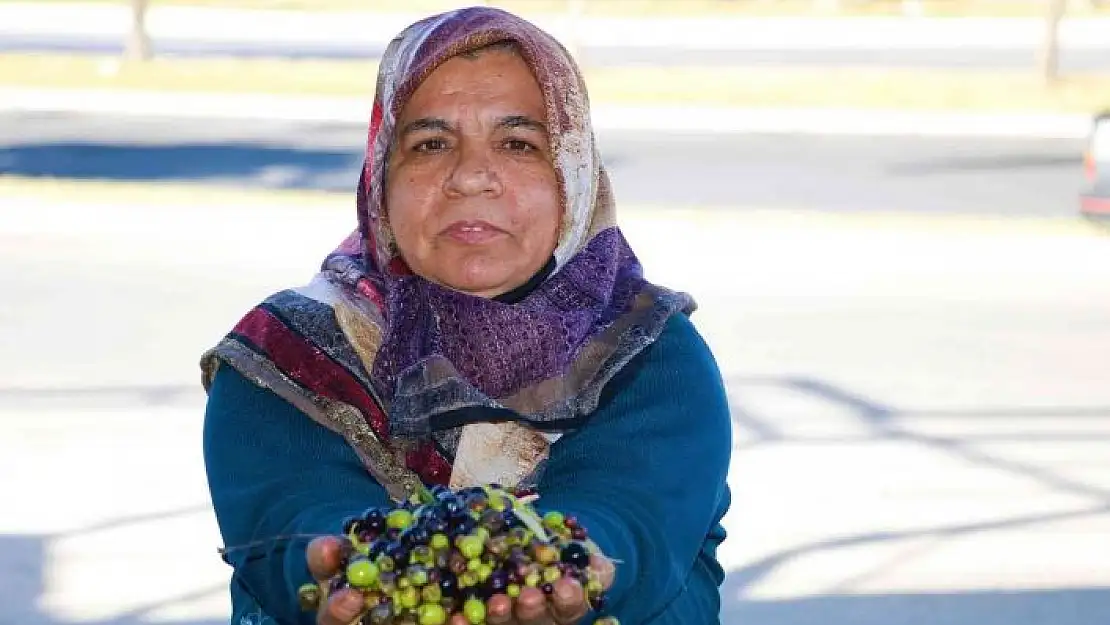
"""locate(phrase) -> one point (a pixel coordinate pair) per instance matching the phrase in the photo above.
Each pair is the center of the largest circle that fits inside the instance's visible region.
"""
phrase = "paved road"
(922, 419)
(1013, 57)
(840, 174)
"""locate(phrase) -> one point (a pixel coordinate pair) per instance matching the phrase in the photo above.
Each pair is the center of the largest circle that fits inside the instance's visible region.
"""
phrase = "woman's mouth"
(472, 232)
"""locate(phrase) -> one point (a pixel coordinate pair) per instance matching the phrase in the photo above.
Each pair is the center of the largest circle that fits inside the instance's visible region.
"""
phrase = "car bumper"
(1095, 205)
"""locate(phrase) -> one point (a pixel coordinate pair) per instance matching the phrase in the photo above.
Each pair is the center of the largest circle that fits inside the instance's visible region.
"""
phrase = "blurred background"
(888, 211)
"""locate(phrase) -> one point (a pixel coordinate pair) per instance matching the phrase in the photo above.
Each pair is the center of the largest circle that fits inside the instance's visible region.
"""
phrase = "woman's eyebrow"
(521, 121)
(425, 124)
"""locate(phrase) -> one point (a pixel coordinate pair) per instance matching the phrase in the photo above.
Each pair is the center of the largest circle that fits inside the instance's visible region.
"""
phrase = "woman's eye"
(519, 145)
(431, 145)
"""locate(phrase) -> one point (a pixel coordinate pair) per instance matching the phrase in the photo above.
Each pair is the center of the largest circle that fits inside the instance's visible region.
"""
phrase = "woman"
(486, 323)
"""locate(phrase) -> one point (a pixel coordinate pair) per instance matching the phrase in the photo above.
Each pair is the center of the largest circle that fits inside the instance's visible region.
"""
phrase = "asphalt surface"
(1004, 57)
(921, 414)
(986, 176)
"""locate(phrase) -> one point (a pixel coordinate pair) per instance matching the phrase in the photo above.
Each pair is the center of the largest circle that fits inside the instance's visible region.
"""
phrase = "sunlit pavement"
(921, 406)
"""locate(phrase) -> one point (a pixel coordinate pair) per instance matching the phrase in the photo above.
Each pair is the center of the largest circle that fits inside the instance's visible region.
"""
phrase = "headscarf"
(431, 384)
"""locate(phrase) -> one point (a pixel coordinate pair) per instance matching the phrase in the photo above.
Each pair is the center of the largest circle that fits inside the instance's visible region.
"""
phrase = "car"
(1094, 201)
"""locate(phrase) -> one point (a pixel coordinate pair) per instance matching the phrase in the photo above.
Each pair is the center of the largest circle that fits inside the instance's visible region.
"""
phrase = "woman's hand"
(566, 606)
(324, 556)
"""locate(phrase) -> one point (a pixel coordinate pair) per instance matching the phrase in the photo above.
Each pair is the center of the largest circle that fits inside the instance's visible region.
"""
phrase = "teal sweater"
(646, 476)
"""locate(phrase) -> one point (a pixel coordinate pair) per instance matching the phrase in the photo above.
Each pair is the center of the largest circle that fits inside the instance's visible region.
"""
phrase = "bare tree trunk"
(1049, 60)
(138, 41)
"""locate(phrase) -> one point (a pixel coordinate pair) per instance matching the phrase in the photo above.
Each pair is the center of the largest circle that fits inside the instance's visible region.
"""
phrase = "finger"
(531, 607)
(499, 610)
(604, 568)
(324, 555)
(568, 602)
(342, 608)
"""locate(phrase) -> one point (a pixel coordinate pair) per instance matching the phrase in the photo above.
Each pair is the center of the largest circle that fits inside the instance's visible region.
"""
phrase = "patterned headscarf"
(432, 384)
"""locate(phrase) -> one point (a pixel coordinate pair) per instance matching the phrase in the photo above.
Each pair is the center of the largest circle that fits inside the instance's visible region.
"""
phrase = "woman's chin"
(476, 274)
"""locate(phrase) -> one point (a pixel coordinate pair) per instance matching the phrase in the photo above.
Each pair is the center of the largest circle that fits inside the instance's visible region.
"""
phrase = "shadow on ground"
(252, 165)
(22, 560)
(23, 583)
(1055, 607)
(885, 422)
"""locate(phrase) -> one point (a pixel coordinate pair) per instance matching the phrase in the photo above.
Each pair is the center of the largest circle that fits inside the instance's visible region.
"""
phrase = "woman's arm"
(273, 472)
(646, 476)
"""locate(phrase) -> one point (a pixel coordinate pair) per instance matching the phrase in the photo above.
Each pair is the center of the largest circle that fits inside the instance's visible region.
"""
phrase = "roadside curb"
(691, 119)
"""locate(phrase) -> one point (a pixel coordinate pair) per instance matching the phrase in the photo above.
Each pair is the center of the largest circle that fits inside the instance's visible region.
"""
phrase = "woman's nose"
(473, 174)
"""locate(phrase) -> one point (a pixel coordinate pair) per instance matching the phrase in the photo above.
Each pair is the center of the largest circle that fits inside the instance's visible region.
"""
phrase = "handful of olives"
(439, 557)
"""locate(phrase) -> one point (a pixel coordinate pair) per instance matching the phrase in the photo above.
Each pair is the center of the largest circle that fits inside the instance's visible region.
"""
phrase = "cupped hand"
(324, 555)
(566, 605)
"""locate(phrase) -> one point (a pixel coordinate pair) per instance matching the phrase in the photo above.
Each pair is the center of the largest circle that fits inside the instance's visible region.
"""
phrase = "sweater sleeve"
(647, 477)
(272, 473)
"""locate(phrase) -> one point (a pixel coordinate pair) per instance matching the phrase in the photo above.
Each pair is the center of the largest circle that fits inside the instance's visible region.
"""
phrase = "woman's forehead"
(496, 83)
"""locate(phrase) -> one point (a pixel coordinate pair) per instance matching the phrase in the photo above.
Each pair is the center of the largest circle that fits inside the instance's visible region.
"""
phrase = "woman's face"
(471, 192)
